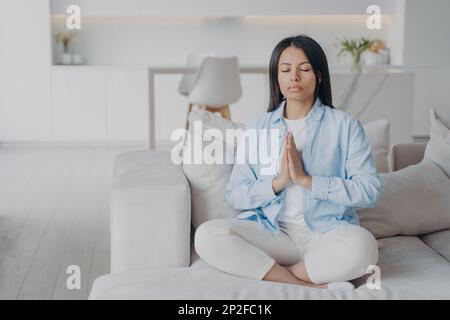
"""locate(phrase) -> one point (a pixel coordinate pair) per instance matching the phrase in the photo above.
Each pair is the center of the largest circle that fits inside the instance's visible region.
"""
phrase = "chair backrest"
(217, 82)
(193, 60)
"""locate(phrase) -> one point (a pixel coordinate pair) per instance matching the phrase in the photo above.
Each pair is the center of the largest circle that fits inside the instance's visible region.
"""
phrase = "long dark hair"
(313, 51)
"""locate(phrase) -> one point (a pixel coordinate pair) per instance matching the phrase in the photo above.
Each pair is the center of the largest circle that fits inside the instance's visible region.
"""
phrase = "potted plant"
(354, 47)
(64, 38)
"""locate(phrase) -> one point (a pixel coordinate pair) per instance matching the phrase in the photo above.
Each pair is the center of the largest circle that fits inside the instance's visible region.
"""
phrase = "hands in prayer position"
(291, 169)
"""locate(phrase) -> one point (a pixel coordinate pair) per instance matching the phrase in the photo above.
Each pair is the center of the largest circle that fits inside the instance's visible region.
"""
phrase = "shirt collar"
(315, 113)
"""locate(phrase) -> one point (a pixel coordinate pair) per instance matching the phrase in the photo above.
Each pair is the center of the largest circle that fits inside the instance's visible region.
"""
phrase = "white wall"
(32, 92)
(220, 7)
(427, 53)
(25, 60)
(166, 40)
(25, 34)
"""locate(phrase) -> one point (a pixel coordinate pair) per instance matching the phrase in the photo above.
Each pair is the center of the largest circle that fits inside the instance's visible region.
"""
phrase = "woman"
(299, 225)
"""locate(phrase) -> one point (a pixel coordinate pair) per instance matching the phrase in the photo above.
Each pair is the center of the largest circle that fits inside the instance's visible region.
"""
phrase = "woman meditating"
(299, 225)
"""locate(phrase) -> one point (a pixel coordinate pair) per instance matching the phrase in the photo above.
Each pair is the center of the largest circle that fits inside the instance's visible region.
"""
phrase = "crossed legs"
(244, 248)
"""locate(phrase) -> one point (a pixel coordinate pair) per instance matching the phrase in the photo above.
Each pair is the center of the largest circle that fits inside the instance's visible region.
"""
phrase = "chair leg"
(187, 116)
(225, 111)
(187, 122)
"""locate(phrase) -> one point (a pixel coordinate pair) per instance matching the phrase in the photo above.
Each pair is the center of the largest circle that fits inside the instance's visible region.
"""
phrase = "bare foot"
(280, 273)
(294, 270)
(320, 286)
(310, 284)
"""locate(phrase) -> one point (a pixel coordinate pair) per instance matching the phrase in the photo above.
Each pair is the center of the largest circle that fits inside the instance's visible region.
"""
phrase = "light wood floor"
(54, 212)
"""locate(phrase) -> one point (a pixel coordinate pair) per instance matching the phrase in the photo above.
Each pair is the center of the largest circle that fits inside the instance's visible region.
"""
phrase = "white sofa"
(152, 255)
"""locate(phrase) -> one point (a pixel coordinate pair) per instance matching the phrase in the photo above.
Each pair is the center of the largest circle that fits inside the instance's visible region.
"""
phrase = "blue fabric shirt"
(337, 156)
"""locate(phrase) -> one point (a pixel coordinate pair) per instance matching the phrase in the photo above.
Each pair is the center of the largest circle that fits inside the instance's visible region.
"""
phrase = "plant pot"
(66, 58)
(371, 58)
(77, 58)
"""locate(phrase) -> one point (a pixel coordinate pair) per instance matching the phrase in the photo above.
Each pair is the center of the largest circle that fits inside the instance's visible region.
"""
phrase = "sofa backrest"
(407, 154)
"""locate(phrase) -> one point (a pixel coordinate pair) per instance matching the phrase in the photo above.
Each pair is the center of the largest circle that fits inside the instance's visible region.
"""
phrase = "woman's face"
(296, 76)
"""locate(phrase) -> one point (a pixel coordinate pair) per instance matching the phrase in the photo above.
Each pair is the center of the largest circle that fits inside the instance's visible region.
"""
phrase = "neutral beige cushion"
(414, 201)
(409, 270)
(440, 242)
(208, 181)
(438, 148)
(378, 133)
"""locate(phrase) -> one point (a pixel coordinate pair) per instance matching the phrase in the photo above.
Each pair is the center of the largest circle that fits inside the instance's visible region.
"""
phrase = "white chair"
(217, 84)
(193, 60)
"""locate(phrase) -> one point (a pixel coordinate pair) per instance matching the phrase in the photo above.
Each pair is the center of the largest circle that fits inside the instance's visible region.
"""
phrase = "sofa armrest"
(407, 154)
(150, 212)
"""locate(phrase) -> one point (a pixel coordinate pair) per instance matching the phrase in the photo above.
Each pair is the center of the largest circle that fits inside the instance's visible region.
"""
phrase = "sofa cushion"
(440, 242)
(414, 201)
(438, 148)
(407, 154)
(142, 214)
(409, 270)
(378, 134)
(208, 181)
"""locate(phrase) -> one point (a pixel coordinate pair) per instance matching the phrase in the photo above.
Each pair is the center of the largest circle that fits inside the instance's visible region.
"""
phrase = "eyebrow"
(287, 63)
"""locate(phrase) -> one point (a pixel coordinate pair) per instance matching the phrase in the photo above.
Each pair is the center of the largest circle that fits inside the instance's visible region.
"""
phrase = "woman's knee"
(207, 233)
(359, 253)
(344, 254)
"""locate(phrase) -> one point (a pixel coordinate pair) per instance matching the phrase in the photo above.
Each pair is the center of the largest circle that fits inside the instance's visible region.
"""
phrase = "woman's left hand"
(296, 171)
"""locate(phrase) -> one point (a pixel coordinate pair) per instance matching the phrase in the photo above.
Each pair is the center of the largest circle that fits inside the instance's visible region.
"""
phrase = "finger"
(289, 156)
(285, 158)
(292, 140)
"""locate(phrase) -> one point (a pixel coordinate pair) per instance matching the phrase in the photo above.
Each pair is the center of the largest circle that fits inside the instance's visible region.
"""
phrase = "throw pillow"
(378, 134)
(414, 201)
(438, 148)
(208, 181)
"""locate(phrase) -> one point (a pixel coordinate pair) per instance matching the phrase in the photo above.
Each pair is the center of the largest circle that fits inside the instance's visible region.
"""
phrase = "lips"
(294, 88)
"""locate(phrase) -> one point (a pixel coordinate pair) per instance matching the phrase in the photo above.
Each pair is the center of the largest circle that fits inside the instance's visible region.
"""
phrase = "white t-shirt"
(292, 210)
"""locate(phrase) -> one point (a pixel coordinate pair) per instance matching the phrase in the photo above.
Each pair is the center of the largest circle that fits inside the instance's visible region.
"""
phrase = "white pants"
(245, 248)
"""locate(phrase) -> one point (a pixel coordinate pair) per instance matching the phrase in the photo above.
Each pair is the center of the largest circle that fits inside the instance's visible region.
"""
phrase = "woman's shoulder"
(339, 116)
(261, 121)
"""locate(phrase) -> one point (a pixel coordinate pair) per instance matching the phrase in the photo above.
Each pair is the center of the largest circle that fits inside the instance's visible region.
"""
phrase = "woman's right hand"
(284, 178)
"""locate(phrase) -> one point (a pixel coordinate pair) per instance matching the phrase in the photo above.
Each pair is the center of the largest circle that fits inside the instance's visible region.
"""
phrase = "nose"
(295, 76)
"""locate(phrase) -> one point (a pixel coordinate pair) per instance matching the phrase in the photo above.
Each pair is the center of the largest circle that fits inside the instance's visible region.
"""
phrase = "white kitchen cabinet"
(79, 104)
(25, 105)
(127, 104)
(99, 103)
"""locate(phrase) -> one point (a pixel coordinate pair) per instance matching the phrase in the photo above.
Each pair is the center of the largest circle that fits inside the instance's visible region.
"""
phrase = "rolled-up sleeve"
(361, 187)
(245, 192)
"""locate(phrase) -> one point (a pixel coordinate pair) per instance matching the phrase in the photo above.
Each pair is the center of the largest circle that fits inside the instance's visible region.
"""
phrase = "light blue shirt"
(337, 156)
